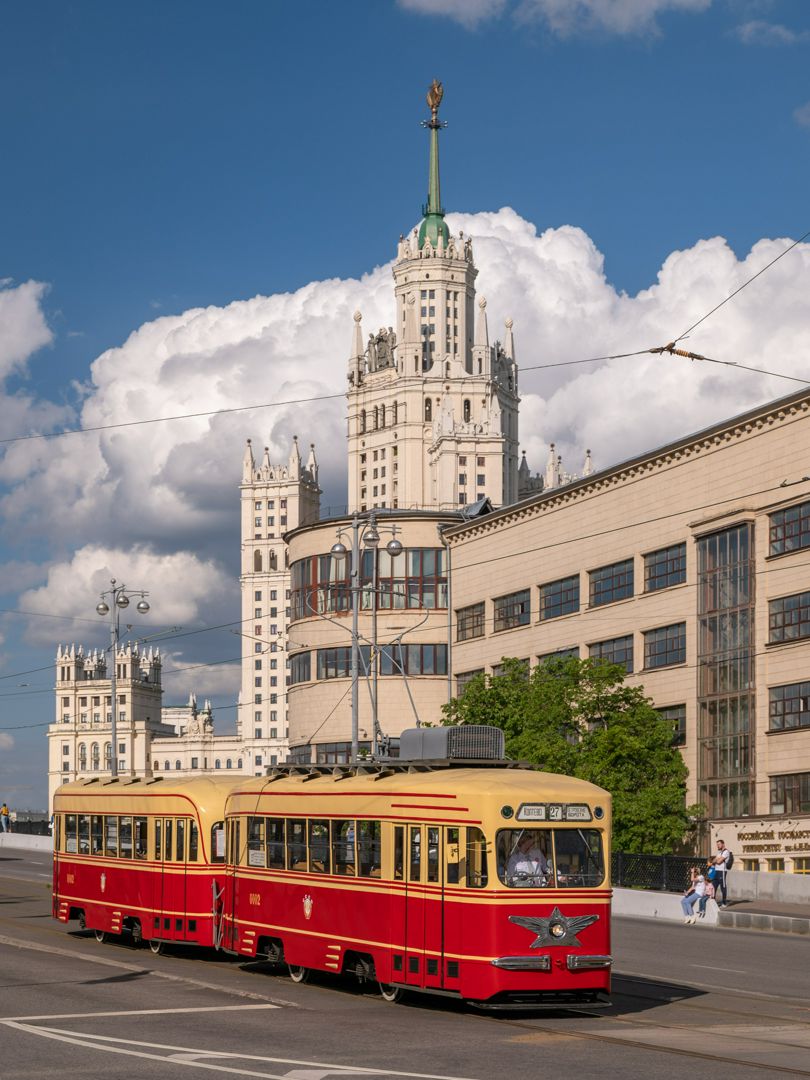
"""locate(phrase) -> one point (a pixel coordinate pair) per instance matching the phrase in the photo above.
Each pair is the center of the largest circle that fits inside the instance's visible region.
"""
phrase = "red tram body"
(484, 880)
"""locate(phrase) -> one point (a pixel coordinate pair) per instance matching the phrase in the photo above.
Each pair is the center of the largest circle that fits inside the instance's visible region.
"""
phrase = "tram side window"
(167, 839)
(193, 841)
(319, 847)
(453, 856)
(275, 843)
(296, 845)
(180, 836)
(218, 842)
(433, 854)
(111, 836)
(368, 848)
(415, 854)
(399, 853)
(84, 834)
(125, 837)
(477, 874)
(579, 857)
(97, 835)
(139, 836)
(57, 831)
(343, 852)
(71, 836)
(255, 841)
(158, 838)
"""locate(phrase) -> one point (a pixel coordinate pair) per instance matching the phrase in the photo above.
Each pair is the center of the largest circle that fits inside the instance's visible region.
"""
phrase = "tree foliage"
(578, 717)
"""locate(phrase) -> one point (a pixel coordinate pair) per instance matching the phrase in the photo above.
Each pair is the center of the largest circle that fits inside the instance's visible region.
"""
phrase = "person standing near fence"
(722, 865)
(4, 818)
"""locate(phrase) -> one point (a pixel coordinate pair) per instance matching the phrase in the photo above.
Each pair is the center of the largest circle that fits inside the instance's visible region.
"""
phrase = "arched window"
(167, 765)
(217, 764)
(94, 758)
(376, 417)
(394, 414)
(362, 421)
(466, 410)
(156, 766)
(257, 561)
(239, 764)
(228, 764)
(107, 755)
(382, 416)
(177, 764)
(428, 409)
(82, 756)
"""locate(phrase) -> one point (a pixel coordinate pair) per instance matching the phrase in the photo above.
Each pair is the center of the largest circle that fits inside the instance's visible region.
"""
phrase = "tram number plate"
(555, 812)
(255, 899)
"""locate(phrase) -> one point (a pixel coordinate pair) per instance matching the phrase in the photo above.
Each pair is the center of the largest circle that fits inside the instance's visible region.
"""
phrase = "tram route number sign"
(553, 812)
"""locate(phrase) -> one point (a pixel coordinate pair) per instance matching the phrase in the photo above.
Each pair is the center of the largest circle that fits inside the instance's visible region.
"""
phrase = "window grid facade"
(559, 597)
(665, 567)
(789, 707)
(665, 646)
(790, 794)
(614, 651)
(611, 583)
(470, 622)
(560, 654)
(512, 610)
(676, 715)
(789, 618)
(789, 529)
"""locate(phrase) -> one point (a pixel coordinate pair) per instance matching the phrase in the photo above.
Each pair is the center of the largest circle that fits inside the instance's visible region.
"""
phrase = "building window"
(611, 583)
(665, 567)
(464, 678)
(467, 410)
(676, 715)
(257, 561)
(470, 622)
(789, 706)
(65, 749)
(559, 597)
(790, 529)
(500, 669)
(790, 794)
(789, 618)
(195, 763)
(614, 651)
(512, 610)
(337, 663)
(428, 410)
(257, 733)
(257, 699)
(560, 654)
(413, 660)
(665, 646)
(257, 594)
(300, 668)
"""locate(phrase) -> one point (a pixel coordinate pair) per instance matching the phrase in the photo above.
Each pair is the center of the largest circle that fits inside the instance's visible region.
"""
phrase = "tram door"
(170, 882)
(424, 906)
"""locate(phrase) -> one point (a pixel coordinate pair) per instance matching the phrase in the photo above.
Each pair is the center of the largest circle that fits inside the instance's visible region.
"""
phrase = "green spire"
(433, 224)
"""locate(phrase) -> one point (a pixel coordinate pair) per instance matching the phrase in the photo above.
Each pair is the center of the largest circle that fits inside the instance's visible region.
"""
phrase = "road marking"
(140, 1012)
(138, 969)
(192, 1057)
(713, 967)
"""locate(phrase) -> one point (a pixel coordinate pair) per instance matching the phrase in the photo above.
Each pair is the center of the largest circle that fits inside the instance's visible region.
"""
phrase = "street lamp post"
(364, 531)
(119, 599)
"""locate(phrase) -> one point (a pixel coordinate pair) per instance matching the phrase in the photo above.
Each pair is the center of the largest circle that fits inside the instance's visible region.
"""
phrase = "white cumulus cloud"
(761, 32)
(6, 741)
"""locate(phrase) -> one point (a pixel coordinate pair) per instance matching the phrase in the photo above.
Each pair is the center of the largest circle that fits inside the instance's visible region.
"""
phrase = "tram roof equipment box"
(468, 742)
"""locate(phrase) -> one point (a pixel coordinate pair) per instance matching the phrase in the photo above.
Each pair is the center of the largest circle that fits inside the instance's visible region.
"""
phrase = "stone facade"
(688, 564)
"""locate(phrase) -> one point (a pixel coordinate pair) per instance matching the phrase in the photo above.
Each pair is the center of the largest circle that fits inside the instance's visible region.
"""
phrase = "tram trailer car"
(449, 870)
(143, 857)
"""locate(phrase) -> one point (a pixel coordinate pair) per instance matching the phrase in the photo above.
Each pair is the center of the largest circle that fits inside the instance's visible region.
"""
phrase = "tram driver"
(527, 865)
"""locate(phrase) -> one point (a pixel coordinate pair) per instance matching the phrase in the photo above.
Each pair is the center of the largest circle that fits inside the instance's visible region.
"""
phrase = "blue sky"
(166, 157)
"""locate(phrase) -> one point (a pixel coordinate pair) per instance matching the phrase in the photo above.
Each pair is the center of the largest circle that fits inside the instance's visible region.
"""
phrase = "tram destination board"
(553, 812)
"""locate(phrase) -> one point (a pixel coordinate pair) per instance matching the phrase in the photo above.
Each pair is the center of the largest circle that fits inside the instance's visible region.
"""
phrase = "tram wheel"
(298, 974)
(391, 993)
(137, 934)
(101, 936)
(156, 947)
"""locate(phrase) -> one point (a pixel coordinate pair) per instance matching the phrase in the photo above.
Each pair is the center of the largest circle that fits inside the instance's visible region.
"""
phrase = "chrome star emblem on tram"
(556, 929)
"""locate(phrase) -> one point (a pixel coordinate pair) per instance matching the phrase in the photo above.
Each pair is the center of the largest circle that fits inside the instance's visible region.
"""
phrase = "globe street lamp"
(119, 600)
(364, 531)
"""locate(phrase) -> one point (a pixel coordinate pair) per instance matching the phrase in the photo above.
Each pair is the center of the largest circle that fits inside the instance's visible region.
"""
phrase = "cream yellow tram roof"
(202, 796)
(418, 793)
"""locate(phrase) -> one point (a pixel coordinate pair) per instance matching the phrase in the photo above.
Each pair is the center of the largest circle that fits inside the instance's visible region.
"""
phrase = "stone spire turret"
(312, 464)
(248, 463)
(433, 225)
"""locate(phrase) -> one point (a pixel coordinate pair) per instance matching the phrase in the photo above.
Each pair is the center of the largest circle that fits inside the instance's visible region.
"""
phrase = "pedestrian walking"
(4, 818)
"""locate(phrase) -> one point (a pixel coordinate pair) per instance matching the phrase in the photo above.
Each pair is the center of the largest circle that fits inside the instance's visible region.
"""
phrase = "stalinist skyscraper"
(433, 407)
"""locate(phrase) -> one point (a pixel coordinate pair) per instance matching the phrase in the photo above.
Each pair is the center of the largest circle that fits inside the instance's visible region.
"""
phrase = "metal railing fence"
(669, 873)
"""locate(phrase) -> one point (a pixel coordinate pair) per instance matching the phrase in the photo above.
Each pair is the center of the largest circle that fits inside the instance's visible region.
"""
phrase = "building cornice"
(691, 446)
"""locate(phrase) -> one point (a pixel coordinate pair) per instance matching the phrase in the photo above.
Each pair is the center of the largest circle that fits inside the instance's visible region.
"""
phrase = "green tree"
(580, 718)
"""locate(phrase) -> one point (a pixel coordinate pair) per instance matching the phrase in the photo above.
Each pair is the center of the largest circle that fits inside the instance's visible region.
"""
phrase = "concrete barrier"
(640, 904)
(22, 840)
(759, 885)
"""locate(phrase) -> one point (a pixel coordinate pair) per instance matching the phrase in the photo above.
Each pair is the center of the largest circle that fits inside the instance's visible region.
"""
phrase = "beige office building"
(690, 565)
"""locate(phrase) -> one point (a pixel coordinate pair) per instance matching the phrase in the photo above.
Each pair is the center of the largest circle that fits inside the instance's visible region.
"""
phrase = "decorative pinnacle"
(434, 99)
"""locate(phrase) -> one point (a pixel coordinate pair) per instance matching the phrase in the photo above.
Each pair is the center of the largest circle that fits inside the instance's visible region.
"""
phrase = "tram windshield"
(550, 858)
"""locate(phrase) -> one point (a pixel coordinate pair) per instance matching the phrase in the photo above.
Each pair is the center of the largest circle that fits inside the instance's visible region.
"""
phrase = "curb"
(750, 920)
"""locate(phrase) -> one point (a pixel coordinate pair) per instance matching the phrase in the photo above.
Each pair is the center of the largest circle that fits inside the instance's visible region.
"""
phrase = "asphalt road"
(686, 999)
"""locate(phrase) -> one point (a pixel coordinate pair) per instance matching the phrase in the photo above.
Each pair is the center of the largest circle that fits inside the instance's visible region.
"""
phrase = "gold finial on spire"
(434, 97)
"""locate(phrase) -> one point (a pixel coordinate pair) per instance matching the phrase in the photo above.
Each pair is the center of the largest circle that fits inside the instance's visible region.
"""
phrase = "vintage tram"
(450, 870)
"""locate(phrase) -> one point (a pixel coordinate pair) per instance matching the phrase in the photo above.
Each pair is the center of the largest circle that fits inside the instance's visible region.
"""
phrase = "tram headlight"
(557, 930)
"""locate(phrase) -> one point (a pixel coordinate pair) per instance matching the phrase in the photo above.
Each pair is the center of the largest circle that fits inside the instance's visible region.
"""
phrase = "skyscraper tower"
(433, 407)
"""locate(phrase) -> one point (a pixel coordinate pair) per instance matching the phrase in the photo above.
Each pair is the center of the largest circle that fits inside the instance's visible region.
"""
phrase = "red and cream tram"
(443, 871)
(141, 857)
(449, 870)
